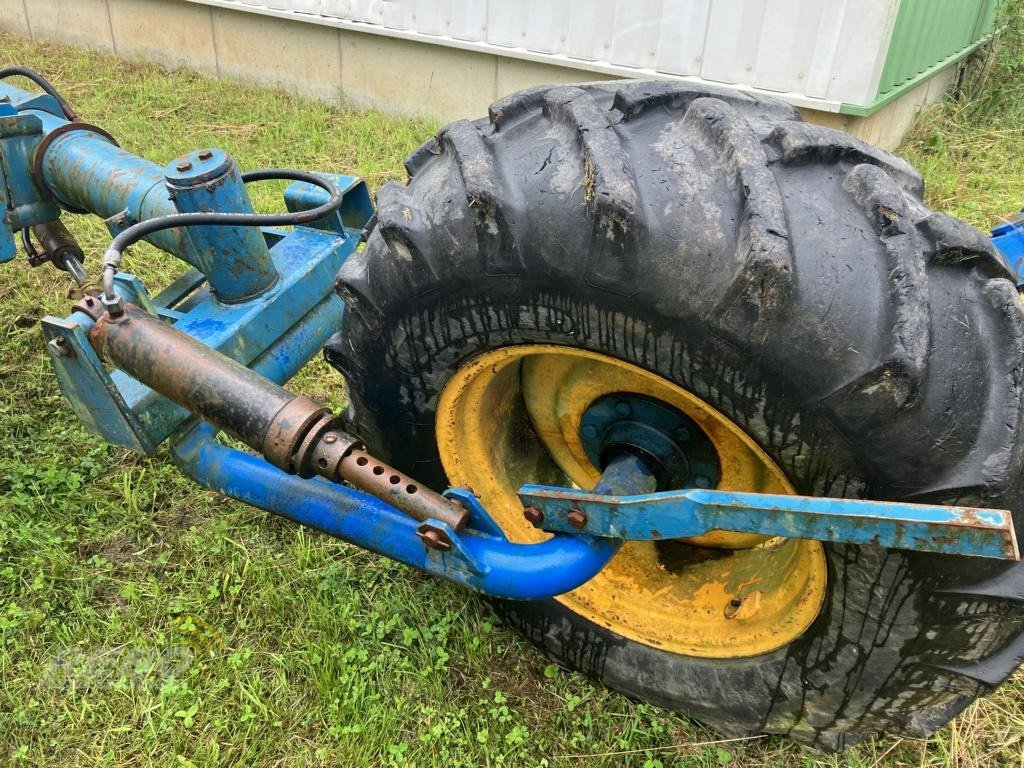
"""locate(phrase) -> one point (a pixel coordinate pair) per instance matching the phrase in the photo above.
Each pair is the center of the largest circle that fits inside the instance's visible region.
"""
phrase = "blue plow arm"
(695, 512)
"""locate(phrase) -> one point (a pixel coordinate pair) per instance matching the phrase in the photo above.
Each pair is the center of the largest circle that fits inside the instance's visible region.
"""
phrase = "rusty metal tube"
(221, 390)
(293, 432)
(378, 479)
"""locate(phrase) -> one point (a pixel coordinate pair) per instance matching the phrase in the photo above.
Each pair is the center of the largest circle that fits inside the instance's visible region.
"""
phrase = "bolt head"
(682, 434)
(205, 154)
(434, 539)
(590, 431)
(702, 482)
(330, 437)
(58, 347)
(576, 517)
(622, 408)
(533, 515)
(183, 166)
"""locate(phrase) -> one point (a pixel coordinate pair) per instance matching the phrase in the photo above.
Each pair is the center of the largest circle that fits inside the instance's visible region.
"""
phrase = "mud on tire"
(790, 276)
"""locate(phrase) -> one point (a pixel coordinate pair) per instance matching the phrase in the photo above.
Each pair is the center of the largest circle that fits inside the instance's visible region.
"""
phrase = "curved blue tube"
(496, 566)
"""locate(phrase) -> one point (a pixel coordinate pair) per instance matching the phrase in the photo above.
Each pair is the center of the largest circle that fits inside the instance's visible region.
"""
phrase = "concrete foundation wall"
(343, 66)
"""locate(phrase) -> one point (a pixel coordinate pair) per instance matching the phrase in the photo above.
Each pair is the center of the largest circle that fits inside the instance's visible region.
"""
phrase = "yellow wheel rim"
(512, 416)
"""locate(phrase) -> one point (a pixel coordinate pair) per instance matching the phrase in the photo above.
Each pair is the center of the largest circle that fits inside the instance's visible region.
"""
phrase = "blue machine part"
(248, 289)
(1009, 239)
(20, 202)
(480, 557)
(300, 302)
(265, 299)
(235, 260)
(688, 513)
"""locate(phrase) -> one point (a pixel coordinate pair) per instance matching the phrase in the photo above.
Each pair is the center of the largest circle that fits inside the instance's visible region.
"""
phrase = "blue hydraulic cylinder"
(235, 260)
(84, 169)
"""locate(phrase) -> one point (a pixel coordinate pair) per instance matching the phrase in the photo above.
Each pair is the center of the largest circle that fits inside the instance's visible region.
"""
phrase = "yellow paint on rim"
(512, 415)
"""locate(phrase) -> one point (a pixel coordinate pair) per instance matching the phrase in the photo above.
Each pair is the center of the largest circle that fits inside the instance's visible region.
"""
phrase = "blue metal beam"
(688, 513)
(480, 558)
(1009, 239)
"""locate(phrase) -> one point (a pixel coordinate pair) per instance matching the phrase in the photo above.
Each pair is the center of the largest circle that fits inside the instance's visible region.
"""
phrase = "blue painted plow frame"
(279, 331)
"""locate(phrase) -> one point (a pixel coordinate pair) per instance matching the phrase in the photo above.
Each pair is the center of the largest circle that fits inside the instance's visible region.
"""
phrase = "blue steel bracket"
(1008, 238)
(356, 207)
(93, 396)
(688, 513)
(21, 204)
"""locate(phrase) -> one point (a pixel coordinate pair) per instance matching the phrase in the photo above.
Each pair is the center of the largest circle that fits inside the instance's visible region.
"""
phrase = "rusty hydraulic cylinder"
(292, 432)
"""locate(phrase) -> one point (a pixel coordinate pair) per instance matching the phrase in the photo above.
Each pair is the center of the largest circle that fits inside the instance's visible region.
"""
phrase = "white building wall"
(814, 53)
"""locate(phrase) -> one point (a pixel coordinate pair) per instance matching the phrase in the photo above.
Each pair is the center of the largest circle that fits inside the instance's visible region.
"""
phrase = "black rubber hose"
(43, 83)
(134, 233)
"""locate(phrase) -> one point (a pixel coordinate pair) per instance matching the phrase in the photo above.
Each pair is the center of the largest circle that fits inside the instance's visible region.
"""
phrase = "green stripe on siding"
(928, 36)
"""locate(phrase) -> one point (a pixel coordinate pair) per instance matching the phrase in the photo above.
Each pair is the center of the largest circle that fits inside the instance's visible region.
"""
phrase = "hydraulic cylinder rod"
(293, 432)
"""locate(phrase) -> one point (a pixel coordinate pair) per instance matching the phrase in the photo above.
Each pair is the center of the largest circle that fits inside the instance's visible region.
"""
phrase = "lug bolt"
(330, 437)
(702, 482)
(623, 408)
(590, 431)
(533, 515)
(577, 519)
(682, 434)
(733, 607)
(183, 166)
(205, 154)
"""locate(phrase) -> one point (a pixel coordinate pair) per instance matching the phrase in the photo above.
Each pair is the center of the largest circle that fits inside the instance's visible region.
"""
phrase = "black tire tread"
(765, 277)
(765, 303)
(609, 189)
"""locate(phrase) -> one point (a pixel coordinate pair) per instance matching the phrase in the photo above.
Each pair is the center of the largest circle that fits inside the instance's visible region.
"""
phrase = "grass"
(144, 621)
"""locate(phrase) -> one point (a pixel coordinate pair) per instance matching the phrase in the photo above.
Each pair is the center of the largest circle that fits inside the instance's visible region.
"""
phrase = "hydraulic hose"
(114, 253)
(43, 83)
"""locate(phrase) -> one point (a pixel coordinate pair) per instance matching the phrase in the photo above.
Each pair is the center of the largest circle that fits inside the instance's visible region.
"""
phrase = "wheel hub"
(670, 442)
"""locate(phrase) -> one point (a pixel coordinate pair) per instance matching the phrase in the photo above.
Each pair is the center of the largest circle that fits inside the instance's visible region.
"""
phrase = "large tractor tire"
(783, 286)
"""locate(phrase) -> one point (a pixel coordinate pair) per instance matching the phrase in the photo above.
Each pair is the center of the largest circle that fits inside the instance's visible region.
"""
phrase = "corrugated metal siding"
(927, 32)
(821, 53)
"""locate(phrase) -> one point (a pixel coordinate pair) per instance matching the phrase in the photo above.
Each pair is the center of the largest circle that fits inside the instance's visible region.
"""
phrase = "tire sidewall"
(872, 592)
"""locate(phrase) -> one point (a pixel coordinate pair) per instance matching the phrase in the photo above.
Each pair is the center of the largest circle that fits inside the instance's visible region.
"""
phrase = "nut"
(432, 538)
(114, 306)
(58, 347)
(205, 154)
(533, 515)
(576, 517)
(183, 166)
